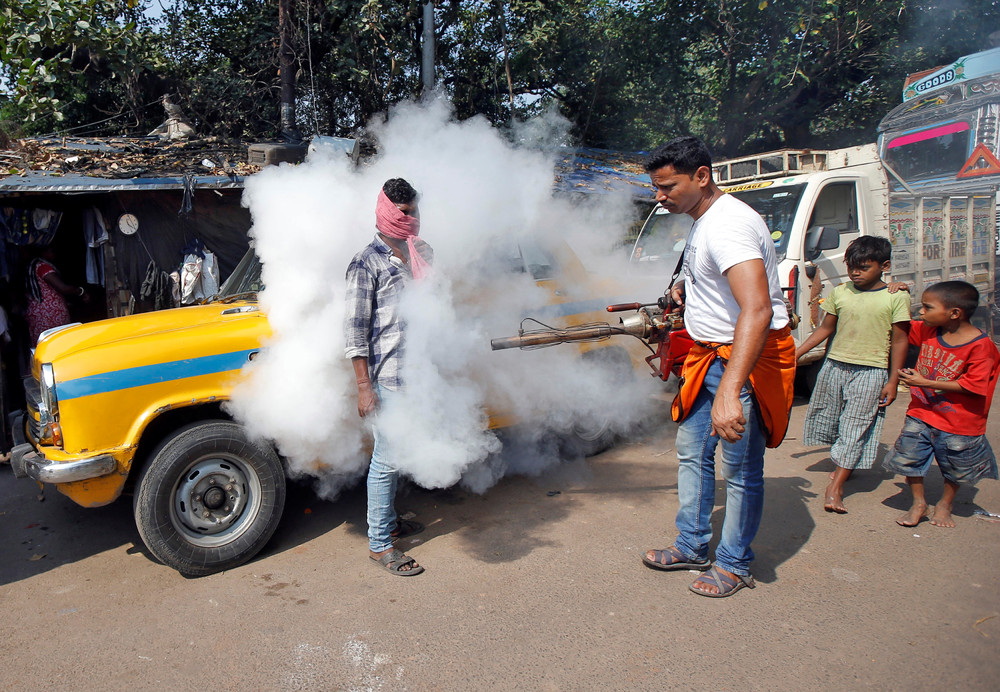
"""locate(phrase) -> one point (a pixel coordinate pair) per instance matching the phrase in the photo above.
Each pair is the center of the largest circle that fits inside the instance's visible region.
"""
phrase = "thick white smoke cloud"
(479, 195)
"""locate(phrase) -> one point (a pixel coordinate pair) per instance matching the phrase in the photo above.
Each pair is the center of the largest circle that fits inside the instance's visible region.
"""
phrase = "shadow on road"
(785, 526)
(964, 505)
(39, 536)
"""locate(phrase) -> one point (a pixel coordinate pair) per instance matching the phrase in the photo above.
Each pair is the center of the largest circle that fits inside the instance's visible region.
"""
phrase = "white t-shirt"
(729, 233)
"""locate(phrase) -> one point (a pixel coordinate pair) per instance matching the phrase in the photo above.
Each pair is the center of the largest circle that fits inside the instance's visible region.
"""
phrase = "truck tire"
(595, 434)
(209, 499)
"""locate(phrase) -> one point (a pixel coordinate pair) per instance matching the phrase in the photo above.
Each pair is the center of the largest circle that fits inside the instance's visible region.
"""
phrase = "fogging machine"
(661, 330)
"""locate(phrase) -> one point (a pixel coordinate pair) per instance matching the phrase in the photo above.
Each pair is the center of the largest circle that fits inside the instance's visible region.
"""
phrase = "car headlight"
(48, 410)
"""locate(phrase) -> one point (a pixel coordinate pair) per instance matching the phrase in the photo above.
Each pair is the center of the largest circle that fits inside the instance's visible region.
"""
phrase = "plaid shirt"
(373, 325)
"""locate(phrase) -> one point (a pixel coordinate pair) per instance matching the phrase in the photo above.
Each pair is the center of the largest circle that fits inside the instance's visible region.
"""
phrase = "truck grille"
(33, 397)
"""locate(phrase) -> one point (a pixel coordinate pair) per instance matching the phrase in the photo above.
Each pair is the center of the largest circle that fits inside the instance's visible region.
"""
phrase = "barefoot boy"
(859, 378)
(950, 394)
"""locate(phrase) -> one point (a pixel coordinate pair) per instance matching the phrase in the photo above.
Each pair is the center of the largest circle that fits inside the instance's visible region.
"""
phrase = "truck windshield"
(664, 235)
(935, 152)
(244, 279)
(777, 206)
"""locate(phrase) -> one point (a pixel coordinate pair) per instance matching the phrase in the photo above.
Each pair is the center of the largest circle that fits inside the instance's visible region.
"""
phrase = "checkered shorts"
(844, 413)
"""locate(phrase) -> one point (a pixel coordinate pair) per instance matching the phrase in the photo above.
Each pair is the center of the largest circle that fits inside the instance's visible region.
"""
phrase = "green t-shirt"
(864, 323)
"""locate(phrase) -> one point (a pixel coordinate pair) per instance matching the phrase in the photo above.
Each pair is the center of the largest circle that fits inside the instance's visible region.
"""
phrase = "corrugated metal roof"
(74, 165)
(79, 184)
(79, 165)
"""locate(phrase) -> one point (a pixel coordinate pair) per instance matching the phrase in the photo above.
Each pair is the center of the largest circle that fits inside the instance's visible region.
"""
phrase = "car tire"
(593, 435)
(210, 498)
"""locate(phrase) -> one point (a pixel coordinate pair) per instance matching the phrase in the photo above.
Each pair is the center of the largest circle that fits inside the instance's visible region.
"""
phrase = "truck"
(928, 184)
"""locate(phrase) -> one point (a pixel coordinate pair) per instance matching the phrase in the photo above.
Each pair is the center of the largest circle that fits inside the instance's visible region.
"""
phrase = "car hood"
(173, 334)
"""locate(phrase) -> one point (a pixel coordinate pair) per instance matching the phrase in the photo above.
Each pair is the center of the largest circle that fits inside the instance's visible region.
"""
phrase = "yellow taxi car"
(139, 399)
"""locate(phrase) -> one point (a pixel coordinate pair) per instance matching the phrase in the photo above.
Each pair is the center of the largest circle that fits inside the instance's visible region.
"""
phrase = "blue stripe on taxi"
(151, 374)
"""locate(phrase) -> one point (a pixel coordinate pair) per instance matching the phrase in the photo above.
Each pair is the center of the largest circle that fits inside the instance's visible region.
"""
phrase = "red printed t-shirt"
(974, 365)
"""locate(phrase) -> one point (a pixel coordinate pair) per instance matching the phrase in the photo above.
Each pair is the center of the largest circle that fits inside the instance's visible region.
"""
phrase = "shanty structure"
(119, 210)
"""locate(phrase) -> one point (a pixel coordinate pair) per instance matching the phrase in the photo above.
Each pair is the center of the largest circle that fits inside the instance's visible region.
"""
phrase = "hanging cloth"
(199, 277)
(95, 234)
(44, 224)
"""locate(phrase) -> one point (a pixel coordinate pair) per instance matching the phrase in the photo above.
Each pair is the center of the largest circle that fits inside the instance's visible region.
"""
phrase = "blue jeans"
(742, 469)
(961, 458)
(382, 479)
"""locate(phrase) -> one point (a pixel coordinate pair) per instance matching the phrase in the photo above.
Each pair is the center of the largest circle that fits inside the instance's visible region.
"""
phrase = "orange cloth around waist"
(772, 380)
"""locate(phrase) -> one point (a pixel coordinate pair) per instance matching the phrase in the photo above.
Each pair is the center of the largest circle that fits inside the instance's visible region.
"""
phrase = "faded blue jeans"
(382, 480)
(742, 469)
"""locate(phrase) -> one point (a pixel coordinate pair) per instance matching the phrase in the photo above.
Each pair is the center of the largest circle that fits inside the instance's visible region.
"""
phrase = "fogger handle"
(622, 307)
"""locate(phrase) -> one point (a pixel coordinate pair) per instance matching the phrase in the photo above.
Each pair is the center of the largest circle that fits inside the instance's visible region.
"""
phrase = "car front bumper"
(26, 462)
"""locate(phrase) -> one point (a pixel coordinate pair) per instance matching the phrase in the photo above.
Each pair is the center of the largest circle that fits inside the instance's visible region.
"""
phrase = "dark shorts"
(961, 458)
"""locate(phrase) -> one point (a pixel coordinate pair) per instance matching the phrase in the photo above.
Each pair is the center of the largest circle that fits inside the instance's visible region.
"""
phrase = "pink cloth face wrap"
(393, 223)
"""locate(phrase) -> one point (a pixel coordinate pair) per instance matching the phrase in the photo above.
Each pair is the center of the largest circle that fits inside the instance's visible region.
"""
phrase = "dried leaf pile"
(125, 157)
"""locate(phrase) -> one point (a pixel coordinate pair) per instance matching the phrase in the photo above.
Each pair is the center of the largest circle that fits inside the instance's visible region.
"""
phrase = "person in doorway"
(47, 296)
(736, 389)
(951, 389)
(860, 376)
(376, 277)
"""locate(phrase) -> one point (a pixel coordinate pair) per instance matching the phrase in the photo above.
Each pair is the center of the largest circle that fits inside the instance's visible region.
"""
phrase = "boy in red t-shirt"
(950, 394)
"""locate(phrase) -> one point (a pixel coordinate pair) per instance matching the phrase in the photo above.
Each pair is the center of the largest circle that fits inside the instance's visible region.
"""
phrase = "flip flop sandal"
(394, 561)
(406, 528)
(677, 560)
(726, 584)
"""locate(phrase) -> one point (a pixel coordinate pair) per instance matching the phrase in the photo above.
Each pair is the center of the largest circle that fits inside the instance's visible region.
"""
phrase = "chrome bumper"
(36, 466)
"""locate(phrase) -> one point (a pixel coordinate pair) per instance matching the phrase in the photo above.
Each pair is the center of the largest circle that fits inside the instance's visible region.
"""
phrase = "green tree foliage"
(354, 58)
(816, 72)
(219, 60)
(742, 75)
(626, 73)
(597, 59)
(70, 59)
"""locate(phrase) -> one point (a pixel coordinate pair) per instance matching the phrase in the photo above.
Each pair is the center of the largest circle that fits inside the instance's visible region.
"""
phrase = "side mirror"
(819, 238)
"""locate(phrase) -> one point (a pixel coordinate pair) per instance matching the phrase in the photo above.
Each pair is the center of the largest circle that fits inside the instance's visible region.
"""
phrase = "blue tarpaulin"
(601, 171)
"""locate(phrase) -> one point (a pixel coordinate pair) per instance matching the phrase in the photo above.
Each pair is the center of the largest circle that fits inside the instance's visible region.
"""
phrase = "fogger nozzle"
(547, 337)
(641, 325)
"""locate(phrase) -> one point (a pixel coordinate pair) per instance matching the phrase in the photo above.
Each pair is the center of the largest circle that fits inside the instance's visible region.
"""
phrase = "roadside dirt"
(526, 588)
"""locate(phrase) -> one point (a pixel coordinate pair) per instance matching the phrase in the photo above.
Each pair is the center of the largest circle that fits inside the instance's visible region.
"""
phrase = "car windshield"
(523, 255)
(777, 206)
(520, 255)
(245, 279)
(662, 239)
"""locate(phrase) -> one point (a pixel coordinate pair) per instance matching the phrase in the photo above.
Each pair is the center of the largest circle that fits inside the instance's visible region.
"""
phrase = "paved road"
(523, 590)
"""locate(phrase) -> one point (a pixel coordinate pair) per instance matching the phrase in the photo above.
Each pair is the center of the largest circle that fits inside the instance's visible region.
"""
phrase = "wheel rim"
(593, 429)
(216, 500)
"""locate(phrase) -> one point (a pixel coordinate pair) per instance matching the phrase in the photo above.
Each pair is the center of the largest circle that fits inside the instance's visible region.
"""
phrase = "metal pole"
(427, 52)
(286, 70)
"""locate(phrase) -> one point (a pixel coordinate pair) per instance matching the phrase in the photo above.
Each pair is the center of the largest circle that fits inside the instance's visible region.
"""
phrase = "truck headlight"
(48, 409)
